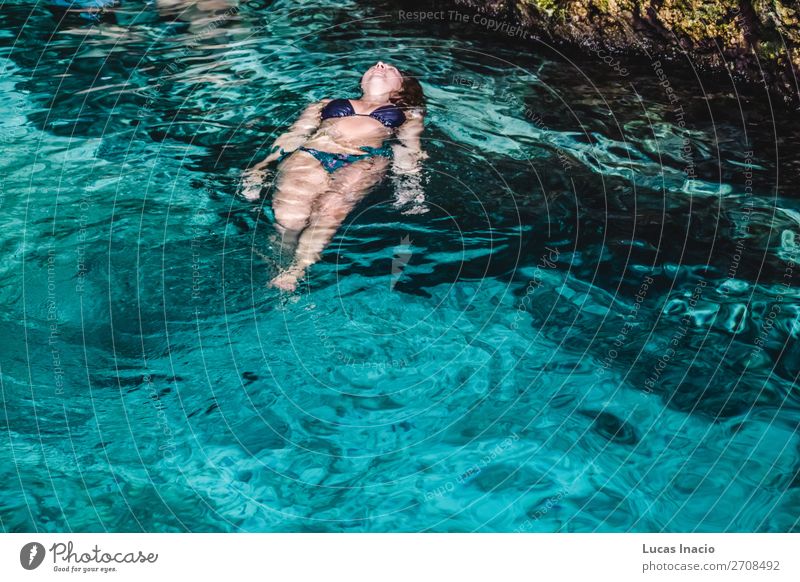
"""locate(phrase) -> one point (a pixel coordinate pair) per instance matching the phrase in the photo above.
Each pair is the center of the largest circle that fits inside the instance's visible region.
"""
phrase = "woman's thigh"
(349, 185)
(300, 180)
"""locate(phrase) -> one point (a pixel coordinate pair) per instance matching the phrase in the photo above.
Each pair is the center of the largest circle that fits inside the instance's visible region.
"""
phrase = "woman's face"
(381, 78)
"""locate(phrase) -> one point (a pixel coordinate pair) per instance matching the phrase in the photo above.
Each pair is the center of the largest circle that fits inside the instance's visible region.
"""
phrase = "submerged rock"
(756, 40)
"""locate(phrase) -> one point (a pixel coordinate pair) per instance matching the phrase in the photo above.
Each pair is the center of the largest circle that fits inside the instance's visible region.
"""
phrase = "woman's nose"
(380, 65)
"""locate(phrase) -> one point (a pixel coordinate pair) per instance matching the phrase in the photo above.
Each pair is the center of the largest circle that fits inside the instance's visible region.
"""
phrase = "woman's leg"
(301, 179)
(348, 186)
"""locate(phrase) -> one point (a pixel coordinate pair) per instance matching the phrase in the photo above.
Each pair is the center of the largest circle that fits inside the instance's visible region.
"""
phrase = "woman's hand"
(253, 178)
(409, 194)
(252, 181)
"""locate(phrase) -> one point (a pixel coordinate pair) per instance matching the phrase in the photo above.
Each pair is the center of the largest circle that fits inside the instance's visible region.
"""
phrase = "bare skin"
(310, 204)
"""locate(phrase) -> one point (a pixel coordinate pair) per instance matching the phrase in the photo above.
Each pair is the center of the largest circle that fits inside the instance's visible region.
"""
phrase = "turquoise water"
(592, 328)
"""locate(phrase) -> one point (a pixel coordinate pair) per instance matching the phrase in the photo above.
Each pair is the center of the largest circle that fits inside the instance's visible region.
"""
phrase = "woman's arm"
(298, 133)
(293, 138)
(406, 165)
(408, 153)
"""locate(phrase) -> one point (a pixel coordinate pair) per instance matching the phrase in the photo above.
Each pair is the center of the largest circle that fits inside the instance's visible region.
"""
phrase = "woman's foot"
(288, 279)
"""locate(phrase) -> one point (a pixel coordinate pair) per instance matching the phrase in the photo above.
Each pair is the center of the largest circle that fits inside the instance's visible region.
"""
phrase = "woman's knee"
(290, 218)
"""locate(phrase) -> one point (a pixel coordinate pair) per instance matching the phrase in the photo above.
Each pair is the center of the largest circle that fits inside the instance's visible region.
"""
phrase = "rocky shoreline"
(756, 41)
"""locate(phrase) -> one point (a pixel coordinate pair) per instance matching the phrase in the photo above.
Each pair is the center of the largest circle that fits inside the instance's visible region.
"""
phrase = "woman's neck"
(375, 98)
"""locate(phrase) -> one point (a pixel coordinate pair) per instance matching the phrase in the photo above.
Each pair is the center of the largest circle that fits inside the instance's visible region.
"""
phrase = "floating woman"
(331, 157)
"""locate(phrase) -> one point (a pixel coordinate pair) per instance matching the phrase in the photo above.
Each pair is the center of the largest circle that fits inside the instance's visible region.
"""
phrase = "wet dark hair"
(410, 95)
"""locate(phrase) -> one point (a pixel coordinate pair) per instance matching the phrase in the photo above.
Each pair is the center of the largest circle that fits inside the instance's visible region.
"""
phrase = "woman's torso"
(346, 134)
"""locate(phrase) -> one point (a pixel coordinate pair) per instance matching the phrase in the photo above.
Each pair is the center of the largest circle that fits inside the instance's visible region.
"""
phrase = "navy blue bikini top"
(388, 115)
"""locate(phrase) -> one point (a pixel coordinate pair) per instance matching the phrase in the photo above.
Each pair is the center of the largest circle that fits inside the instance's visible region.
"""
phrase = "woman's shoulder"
(327, 101)
(413, 112)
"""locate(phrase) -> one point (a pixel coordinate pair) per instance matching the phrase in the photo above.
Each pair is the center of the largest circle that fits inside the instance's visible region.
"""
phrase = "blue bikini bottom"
(332, 162)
